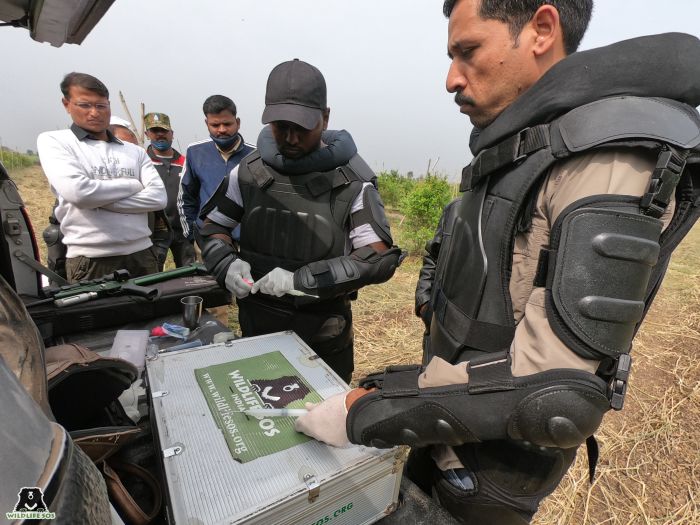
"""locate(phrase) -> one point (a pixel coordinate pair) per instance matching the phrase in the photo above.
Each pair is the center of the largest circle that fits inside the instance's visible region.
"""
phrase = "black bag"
(83, 392)
(123, 309)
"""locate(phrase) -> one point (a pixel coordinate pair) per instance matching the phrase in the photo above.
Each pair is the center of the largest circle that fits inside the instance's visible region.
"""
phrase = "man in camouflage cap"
(168, 163)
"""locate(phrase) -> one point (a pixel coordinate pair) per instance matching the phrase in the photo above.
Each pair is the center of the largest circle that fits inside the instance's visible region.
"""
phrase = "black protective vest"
(473, 313)
(292, 220)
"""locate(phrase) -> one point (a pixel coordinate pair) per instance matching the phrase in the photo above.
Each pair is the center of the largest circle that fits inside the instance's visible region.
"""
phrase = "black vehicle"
(37, 454)
(40, 462)
(45, 476)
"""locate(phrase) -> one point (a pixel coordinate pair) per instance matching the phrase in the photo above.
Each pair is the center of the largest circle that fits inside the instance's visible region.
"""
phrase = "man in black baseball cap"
(313, 228)
(296, 92)
(295, 107)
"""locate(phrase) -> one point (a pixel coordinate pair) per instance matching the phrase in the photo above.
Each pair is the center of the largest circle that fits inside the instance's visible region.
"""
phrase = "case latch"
(172, 451)
(312, 486)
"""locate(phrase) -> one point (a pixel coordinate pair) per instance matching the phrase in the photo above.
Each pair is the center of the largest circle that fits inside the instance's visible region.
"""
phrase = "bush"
(13, 160)
(393, 187)
(422, 209)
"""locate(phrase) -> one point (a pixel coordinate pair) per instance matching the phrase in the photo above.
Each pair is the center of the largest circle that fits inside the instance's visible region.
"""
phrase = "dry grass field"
(649, 469)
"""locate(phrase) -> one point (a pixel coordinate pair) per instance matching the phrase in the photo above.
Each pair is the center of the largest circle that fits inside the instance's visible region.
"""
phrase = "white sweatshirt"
(105, 191)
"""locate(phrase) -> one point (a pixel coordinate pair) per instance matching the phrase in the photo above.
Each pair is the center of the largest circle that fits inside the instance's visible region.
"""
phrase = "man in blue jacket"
(209, 161)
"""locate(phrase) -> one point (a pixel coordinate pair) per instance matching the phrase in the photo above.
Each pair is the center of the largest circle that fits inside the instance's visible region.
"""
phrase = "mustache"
(462, 100)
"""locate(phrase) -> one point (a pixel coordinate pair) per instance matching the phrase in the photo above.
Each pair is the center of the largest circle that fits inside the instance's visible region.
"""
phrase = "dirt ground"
(649, 468)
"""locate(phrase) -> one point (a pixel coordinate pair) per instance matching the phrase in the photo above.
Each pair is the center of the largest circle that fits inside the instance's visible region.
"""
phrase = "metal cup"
(191, 311)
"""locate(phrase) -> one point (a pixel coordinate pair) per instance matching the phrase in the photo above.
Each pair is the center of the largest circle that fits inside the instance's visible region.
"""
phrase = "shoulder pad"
(361, 169)
(262, 177)
(629, 118)
(372, 213)
(599, 265)
(252, 157)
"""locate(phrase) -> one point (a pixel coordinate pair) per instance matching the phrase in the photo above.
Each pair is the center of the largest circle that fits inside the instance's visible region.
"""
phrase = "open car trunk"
(57, 22)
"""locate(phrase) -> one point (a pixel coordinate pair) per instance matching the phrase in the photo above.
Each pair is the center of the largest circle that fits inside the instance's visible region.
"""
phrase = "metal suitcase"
(305, 483)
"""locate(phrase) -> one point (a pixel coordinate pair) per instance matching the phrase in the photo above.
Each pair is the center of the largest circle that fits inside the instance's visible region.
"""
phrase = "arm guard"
(556, 408)
(342, 275)
(216, 253)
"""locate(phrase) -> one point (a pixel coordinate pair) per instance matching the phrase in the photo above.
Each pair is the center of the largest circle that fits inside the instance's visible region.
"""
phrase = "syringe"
(275, 412)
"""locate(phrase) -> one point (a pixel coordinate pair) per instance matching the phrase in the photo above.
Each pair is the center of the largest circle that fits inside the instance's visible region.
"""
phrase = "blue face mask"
(161, 145)
(225, 143)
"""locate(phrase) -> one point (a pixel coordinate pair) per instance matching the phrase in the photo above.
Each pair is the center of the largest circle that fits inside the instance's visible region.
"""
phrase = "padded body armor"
(300, 222)
(602, 236)
(516, 436)
(605, 262)
(296, 219)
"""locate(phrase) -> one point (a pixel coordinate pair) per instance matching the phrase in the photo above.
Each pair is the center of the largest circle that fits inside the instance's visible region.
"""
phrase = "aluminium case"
(310, 483)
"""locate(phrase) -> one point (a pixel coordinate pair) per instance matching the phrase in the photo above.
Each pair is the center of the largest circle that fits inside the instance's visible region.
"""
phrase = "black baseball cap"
(296, 92)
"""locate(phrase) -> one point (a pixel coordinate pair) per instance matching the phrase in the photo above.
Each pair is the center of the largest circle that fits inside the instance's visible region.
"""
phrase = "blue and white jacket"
(205, 168)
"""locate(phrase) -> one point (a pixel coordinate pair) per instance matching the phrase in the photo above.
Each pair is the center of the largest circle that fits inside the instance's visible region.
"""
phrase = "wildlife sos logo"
(280, 392)
(30, 506)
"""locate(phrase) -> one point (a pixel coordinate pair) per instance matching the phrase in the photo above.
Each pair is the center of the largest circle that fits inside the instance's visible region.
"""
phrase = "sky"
(384, 62)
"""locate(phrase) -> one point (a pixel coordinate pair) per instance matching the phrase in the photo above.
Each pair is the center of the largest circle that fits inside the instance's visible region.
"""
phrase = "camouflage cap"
(157, 120)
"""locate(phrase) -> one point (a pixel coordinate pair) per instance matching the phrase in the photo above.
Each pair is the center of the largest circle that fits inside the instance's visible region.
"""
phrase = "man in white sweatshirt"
(105, 187)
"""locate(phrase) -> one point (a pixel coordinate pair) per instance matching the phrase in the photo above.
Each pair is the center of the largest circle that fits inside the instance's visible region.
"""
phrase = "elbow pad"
(342, 275)
(556, 408)
(216, 253)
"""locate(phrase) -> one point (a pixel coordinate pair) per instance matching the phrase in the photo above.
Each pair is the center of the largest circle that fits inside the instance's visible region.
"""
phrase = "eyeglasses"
(87, 106)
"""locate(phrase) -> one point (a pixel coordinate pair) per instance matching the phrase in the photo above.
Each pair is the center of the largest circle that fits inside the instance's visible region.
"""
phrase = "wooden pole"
(131, 119)
(143, 124)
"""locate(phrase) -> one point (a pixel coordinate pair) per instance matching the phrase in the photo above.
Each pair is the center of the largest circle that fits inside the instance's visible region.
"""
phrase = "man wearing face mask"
(313, 228)
(169, 164)
(209, 161)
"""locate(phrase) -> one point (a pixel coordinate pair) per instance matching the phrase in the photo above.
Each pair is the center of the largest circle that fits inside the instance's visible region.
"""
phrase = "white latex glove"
(326, 421)
(277, 282)
(236, 276)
